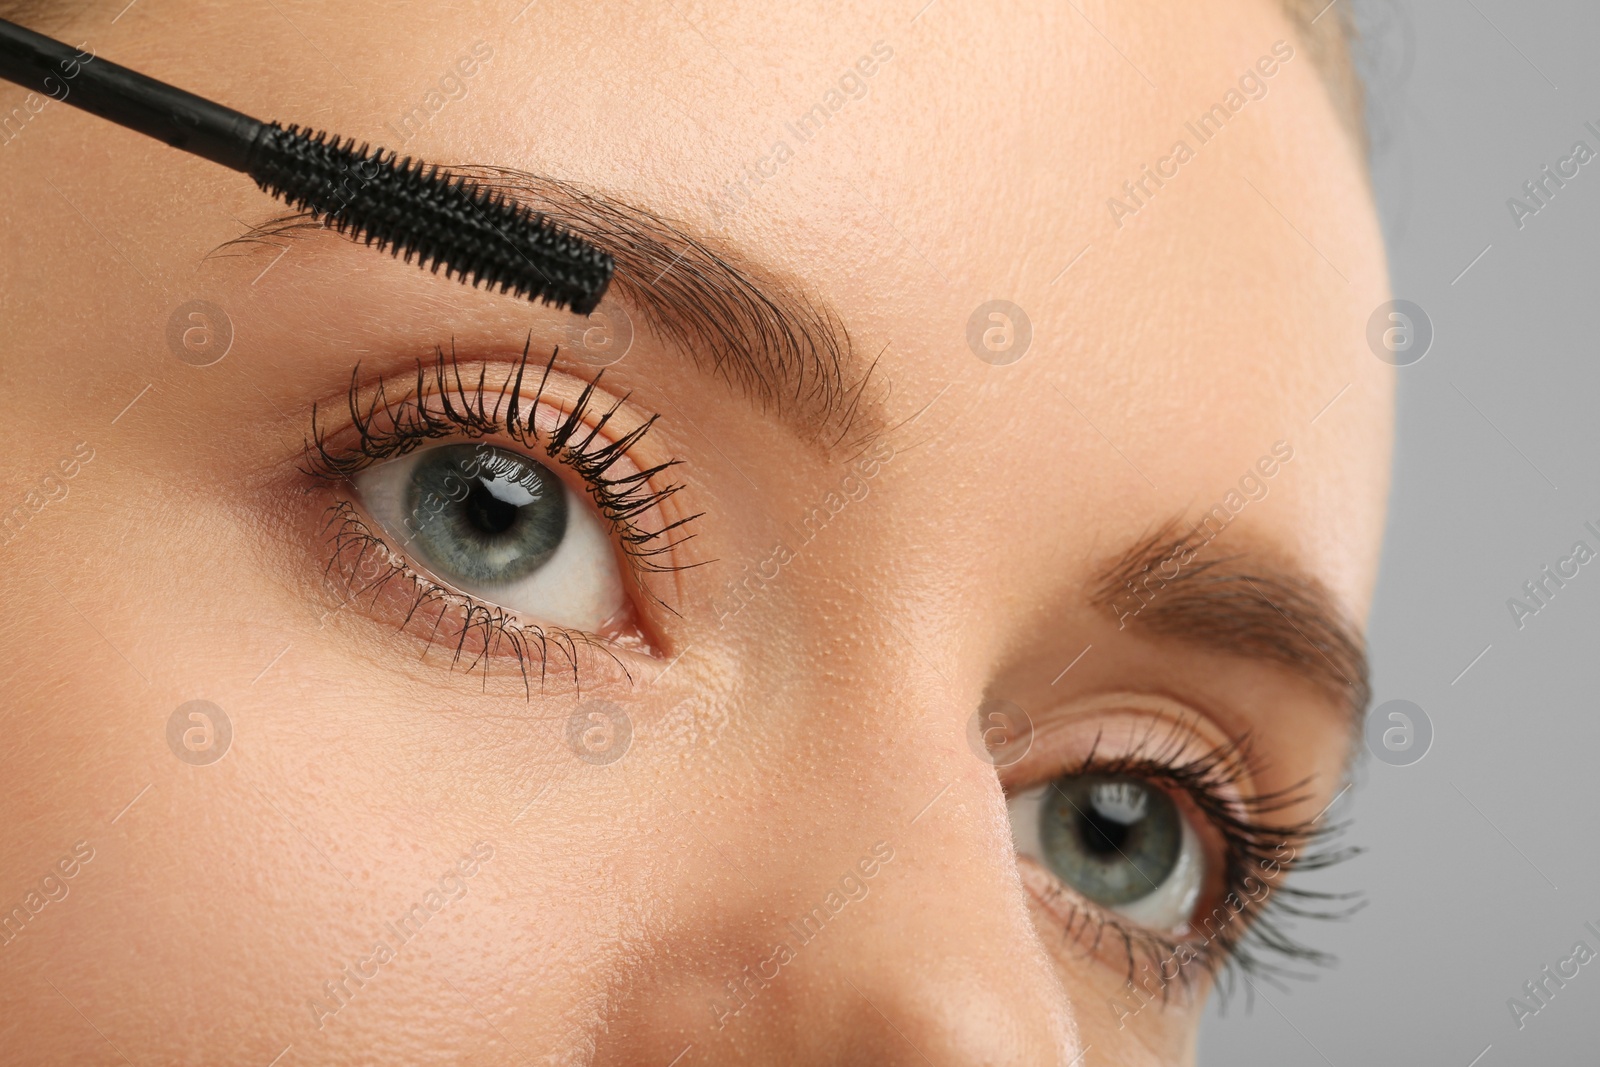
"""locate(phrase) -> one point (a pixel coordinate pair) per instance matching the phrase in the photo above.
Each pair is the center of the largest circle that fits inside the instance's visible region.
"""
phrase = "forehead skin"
(1168, 354)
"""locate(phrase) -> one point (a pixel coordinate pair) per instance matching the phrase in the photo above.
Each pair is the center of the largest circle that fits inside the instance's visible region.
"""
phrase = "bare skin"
(782, 738)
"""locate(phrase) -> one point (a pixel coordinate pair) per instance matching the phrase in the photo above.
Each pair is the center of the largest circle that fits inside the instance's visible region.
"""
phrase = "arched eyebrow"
(1241, 604)
(734, 319)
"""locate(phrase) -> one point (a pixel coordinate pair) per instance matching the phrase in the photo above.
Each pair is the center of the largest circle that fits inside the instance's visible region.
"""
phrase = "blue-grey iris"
(482, 515)
(1112, 838)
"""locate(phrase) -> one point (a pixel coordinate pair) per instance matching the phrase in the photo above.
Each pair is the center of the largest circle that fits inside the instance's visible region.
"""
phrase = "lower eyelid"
(364, 576)
(1087, 929)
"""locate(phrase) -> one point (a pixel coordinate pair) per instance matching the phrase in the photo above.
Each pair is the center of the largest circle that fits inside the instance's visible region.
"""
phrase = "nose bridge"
(945, 967)
(876, 906)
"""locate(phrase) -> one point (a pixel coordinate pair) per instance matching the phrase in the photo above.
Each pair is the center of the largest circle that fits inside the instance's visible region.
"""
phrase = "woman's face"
(1001, 497)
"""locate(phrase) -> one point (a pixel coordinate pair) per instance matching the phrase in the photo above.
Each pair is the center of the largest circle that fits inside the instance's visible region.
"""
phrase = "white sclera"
(579, 587)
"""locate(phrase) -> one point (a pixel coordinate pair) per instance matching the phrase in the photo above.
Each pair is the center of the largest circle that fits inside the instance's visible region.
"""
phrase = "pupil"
(488, 512)
(1102, 836)
(1112, 837)
(484, 517)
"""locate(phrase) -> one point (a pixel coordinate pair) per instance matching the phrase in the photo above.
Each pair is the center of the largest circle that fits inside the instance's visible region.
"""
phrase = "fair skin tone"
(773, 744)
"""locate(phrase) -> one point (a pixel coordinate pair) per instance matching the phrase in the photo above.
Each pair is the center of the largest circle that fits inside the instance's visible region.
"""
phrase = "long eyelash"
(386, 428)
(1243, 945)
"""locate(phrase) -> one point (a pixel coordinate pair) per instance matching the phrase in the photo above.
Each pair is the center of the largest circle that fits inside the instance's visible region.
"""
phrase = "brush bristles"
(423, 213)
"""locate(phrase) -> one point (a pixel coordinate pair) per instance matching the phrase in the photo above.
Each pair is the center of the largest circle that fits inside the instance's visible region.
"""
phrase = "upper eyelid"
(1162, 711)
(436, 393)
(1131, 723)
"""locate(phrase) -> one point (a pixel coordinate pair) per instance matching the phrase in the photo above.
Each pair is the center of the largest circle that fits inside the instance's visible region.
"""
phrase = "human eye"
(499, 525)
(1118, 840)
(1145, 839)
(493, 522)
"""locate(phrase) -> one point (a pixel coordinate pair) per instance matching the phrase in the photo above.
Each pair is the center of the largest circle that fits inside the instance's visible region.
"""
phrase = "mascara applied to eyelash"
(441, 403)
(1237, 937)
(387, 427)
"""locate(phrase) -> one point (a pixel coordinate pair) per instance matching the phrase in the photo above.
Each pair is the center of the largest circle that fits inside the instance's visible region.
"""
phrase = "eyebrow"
(761, 334)
(1239, 605)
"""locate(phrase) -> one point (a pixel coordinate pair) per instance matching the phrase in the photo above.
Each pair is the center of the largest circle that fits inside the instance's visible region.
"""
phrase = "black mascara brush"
(418, 211)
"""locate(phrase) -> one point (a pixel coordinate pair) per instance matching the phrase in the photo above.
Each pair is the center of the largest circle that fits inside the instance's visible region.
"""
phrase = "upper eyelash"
(1240, 949)
(388, 428)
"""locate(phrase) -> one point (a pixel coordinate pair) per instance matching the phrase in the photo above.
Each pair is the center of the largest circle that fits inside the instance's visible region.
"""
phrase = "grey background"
(1484, 858)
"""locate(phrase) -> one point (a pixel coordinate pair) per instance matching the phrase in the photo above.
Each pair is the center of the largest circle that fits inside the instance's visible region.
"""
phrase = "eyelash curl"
(386, 428)
(1246, 937)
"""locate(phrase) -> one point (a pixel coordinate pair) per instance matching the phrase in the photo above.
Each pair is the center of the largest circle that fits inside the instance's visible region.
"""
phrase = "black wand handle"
(421, 213)
(128, 98)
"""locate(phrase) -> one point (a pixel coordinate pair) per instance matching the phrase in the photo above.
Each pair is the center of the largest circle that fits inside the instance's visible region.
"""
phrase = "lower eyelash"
(477, 631)
(1241, 948)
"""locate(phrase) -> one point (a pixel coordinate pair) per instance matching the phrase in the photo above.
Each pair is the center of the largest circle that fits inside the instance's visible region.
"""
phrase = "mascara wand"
(418, 211)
